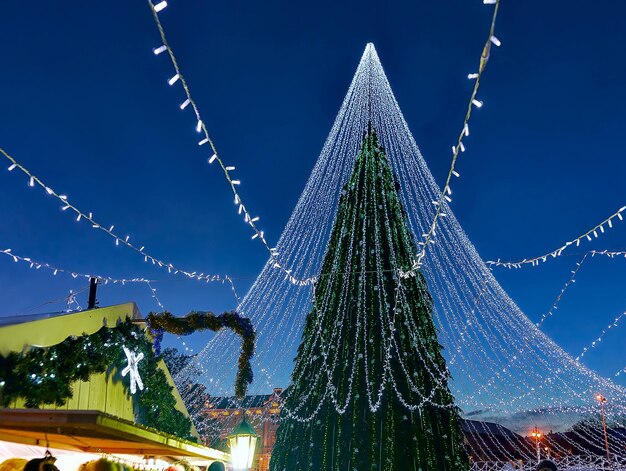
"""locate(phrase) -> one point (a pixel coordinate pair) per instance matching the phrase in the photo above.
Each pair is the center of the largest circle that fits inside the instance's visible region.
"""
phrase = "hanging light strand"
(593, 344)
(571, 280)
(446, 194)
(201, 128)
(591, 234)
(608, 253)
(155, 296)
(66, 205)
(35, 265)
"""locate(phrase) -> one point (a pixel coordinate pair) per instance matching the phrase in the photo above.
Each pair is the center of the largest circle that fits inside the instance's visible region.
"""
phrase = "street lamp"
(242, 442)
(600, 398)
(537, 436)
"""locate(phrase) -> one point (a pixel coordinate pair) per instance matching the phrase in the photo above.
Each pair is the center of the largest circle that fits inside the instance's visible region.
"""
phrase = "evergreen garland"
(204, 320)
(43, 376)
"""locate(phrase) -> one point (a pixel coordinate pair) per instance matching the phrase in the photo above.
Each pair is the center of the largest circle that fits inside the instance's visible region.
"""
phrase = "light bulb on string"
(159, 7)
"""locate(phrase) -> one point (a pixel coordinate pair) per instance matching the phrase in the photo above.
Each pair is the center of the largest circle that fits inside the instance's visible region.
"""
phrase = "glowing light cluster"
(502, 366)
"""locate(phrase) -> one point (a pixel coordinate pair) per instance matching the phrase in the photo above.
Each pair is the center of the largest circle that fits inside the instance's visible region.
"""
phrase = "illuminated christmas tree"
(370, 385)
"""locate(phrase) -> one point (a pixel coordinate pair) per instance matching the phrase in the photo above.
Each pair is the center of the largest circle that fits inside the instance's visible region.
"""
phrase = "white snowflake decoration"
(132, 368)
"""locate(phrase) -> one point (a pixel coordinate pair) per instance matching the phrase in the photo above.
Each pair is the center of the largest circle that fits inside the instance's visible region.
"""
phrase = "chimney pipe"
(93, 286)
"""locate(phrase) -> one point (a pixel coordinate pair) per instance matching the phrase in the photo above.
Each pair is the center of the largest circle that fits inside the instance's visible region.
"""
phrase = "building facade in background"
(261, 411)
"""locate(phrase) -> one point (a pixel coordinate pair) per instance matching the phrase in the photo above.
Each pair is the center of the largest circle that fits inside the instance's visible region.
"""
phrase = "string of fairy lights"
(36, 265)
(568, 283)
(88, 216)
(71, 299)
(459, 147)
(604, 331)
(206, 140)
(595, 231)
(67, 206)
(155, 296)
(608, 253)
(572, 279)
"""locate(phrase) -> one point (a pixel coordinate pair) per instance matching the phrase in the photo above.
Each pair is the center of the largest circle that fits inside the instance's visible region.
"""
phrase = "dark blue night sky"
(86, 106)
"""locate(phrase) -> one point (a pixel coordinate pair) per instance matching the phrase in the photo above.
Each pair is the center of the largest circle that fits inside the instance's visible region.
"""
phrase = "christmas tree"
(370, 386)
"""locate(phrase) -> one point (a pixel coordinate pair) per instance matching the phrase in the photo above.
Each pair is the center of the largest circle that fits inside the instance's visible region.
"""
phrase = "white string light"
(574, 242)
(593, 344)
(71, 300)
(153, 292)
(460, 146)
(159, 50)
(119, 240)
(35, 265)
(570, 281)
(608, 253)
(201, 128)
(160, 6)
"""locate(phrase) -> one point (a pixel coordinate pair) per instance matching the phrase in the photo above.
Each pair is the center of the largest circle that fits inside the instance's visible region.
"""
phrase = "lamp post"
(600, 398)
(242, 442)
(537, 436)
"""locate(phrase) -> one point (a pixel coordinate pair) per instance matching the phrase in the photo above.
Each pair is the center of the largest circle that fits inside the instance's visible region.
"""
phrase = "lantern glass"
(242, 451)
(242, 444)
